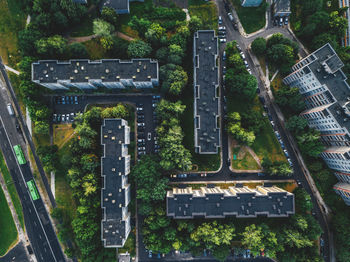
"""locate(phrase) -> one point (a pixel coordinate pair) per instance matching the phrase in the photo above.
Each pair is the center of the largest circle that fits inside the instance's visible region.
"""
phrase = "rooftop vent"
(107, 70)
(76, 71)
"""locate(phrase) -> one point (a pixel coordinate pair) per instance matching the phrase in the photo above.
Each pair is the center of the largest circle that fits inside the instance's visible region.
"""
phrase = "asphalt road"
(38, 225)
(17, 254)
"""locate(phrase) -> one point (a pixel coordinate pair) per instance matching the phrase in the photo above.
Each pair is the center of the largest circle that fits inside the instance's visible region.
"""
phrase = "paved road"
(17, 254)
(38, 225)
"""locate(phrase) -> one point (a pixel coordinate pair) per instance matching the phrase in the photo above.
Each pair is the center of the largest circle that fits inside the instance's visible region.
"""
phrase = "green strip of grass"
(252, 18)
(12, 190)
(8, 231)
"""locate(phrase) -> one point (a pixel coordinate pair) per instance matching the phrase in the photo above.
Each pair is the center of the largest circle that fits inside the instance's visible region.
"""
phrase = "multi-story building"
(105, 73)
(343, 189)
(120, 6)
(281, 8)
(247, 3)
(241, 202)
(80, 1)
(206, 92)
(115, 194)
(323, 85)
(343, 4)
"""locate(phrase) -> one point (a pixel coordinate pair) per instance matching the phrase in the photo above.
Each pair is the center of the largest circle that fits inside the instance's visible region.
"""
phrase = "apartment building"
(241, 202)
(206, 92)
(323, 85)
(343, 189)
(100, 74)
(115, 193)
(346, 38)
(120, 6)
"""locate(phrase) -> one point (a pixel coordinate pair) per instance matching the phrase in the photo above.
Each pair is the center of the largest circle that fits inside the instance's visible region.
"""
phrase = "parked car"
(76, 100)
(242, 55)
(203, 174)
(139, 105)
(156, 97)
(154, 105)
(281, 21)
(141, 152)
(141, 148)
(222, 36)
(182, 175)
(141, 140)
(222, 33)
(239, 48)
(63, 118)
(224, 69)
(149, 136)
(246, 63)
(272, 123)
(224, 55)
(220, 20)
(230, 16)
(139, 108)
(235, 26)
(290, 161)
(286, 20)
(250, 72)
(72, 117)
(261, 174)
(223, 40)
(140, 144)
(54, 118)
(140, 124)
(140, 120)
(222, 28)
(150, 253)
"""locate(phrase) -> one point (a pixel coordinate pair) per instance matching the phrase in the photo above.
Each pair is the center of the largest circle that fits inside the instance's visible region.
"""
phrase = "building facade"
(343, 189)
(115, 193)
(326, 93)
(346, 38)
(281, 8)
(248, 3)
(241, 202)
(206, 92)
(105, 73)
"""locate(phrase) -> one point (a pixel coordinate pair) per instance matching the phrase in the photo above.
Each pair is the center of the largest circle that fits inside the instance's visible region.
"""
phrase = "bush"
(259, 46)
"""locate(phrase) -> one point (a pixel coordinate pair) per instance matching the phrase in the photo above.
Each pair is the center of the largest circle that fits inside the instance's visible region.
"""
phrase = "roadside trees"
(259, 46)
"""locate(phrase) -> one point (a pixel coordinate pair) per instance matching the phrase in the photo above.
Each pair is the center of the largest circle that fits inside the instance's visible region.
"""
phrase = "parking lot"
(66, 108)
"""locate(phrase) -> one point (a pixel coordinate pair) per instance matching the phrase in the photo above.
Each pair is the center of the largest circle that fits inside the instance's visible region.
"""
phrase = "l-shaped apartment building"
(206, 92)
(86, 74)
(326, 92)
(115, 193)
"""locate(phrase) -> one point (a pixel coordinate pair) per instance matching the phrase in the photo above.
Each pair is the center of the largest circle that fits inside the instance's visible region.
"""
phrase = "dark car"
(262, 100)
(235, 26)
(141, 135)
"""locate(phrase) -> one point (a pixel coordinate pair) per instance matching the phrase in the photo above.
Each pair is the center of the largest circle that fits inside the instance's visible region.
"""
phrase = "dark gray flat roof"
(206, 81)
(116, 4)
(239, 202)
(114, 191)
(80, 1)
(83, 70)
(326, 67)
(283, 6)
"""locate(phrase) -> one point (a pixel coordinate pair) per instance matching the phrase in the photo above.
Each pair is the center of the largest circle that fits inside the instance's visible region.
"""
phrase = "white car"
(272, 123)
(141, 140)
(142, 148)
(139, 108)
(149, 136)
(63, 118)
(249, 71)
(242, 55)
(246, 63)
(223, 40)
(140, 124)
(222, 28)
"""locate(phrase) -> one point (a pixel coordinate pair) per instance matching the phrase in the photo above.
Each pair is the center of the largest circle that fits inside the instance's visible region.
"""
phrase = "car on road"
(54, 118)
(139, 108)
(223, 35)
(272, 123)
(149, 136)
(140, 124)
(230, 16)
(141, 148)
(286, 20)
(235, 26)
(239, 48)
(250, 71)
(150, 253)
(286, 153)
(224, 69)
(222, 28)
(141, 140)
(220, 20)
(261, 174)
(224, 55)
(228, 161)
(63, 118)
(182, 175)
(140, 144)
(242, 55)
(281, 21)
(290, 161)
(222, 40)
(246, 63)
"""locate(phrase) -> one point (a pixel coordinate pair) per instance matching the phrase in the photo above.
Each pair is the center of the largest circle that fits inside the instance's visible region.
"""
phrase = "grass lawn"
(246, 162)
(12, 20)
(206, 11)
(84, 28)
(130, 244)
(265, 144)
(62, 133)
(252, 18)
(136, 8)
(42, 140)
(12, 190)
(8, 231)
(95, 49)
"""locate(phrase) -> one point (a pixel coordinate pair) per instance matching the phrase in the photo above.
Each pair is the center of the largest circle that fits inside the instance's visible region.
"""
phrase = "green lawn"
(84, 28)
(206, 11)
(8, 231)
(12, 190)
(265, 144)
(12, 20)
(245, 163)
(252, 18)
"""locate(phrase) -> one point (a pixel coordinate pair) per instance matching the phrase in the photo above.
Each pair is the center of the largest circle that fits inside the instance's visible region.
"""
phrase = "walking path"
(81, 39)
(12, 70)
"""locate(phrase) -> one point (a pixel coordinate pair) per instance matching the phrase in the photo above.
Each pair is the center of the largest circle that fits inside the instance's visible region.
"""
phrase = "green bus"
(19, 154)
(32, 189)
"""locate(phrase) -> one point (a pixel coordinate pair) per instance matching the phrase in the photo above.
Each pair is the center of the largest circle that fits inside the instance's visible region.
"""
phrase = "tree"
(338, 23)
(41, 127)
(154, 32)
(102, 28)
(252, 238)
(175, 81)
(323, 39)
(51, 47)
(77, 50)
(108, 14)
(86, 135)
(281, 56)
(107, 42)
(151, 185)
(259, 46)
(310, 144)
(277, 168)
(296, 124)
(140, 25)
(244, 84)
(253, 121)
(221, 252)
(162, 55)
(139, 49)
(27, 39)
(237, 132)
(213, 234)
(231, 48)
(166, 110)
(195, 24)
(310, 7)
(290, 99)
(235, 61)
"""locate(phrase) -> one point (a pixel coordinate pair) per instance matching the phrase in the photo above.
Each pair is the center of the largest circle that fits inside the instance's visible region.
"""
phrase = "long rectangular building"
(206, 92)
(115, 194)
(241, 202)
(326, 92)
(343, 189)
(105, 73)
(346, 38)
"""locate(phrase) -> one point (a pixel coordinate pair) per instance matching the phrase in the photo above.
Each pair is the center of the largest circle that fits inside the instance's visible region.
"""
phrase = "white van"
(10, 109)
